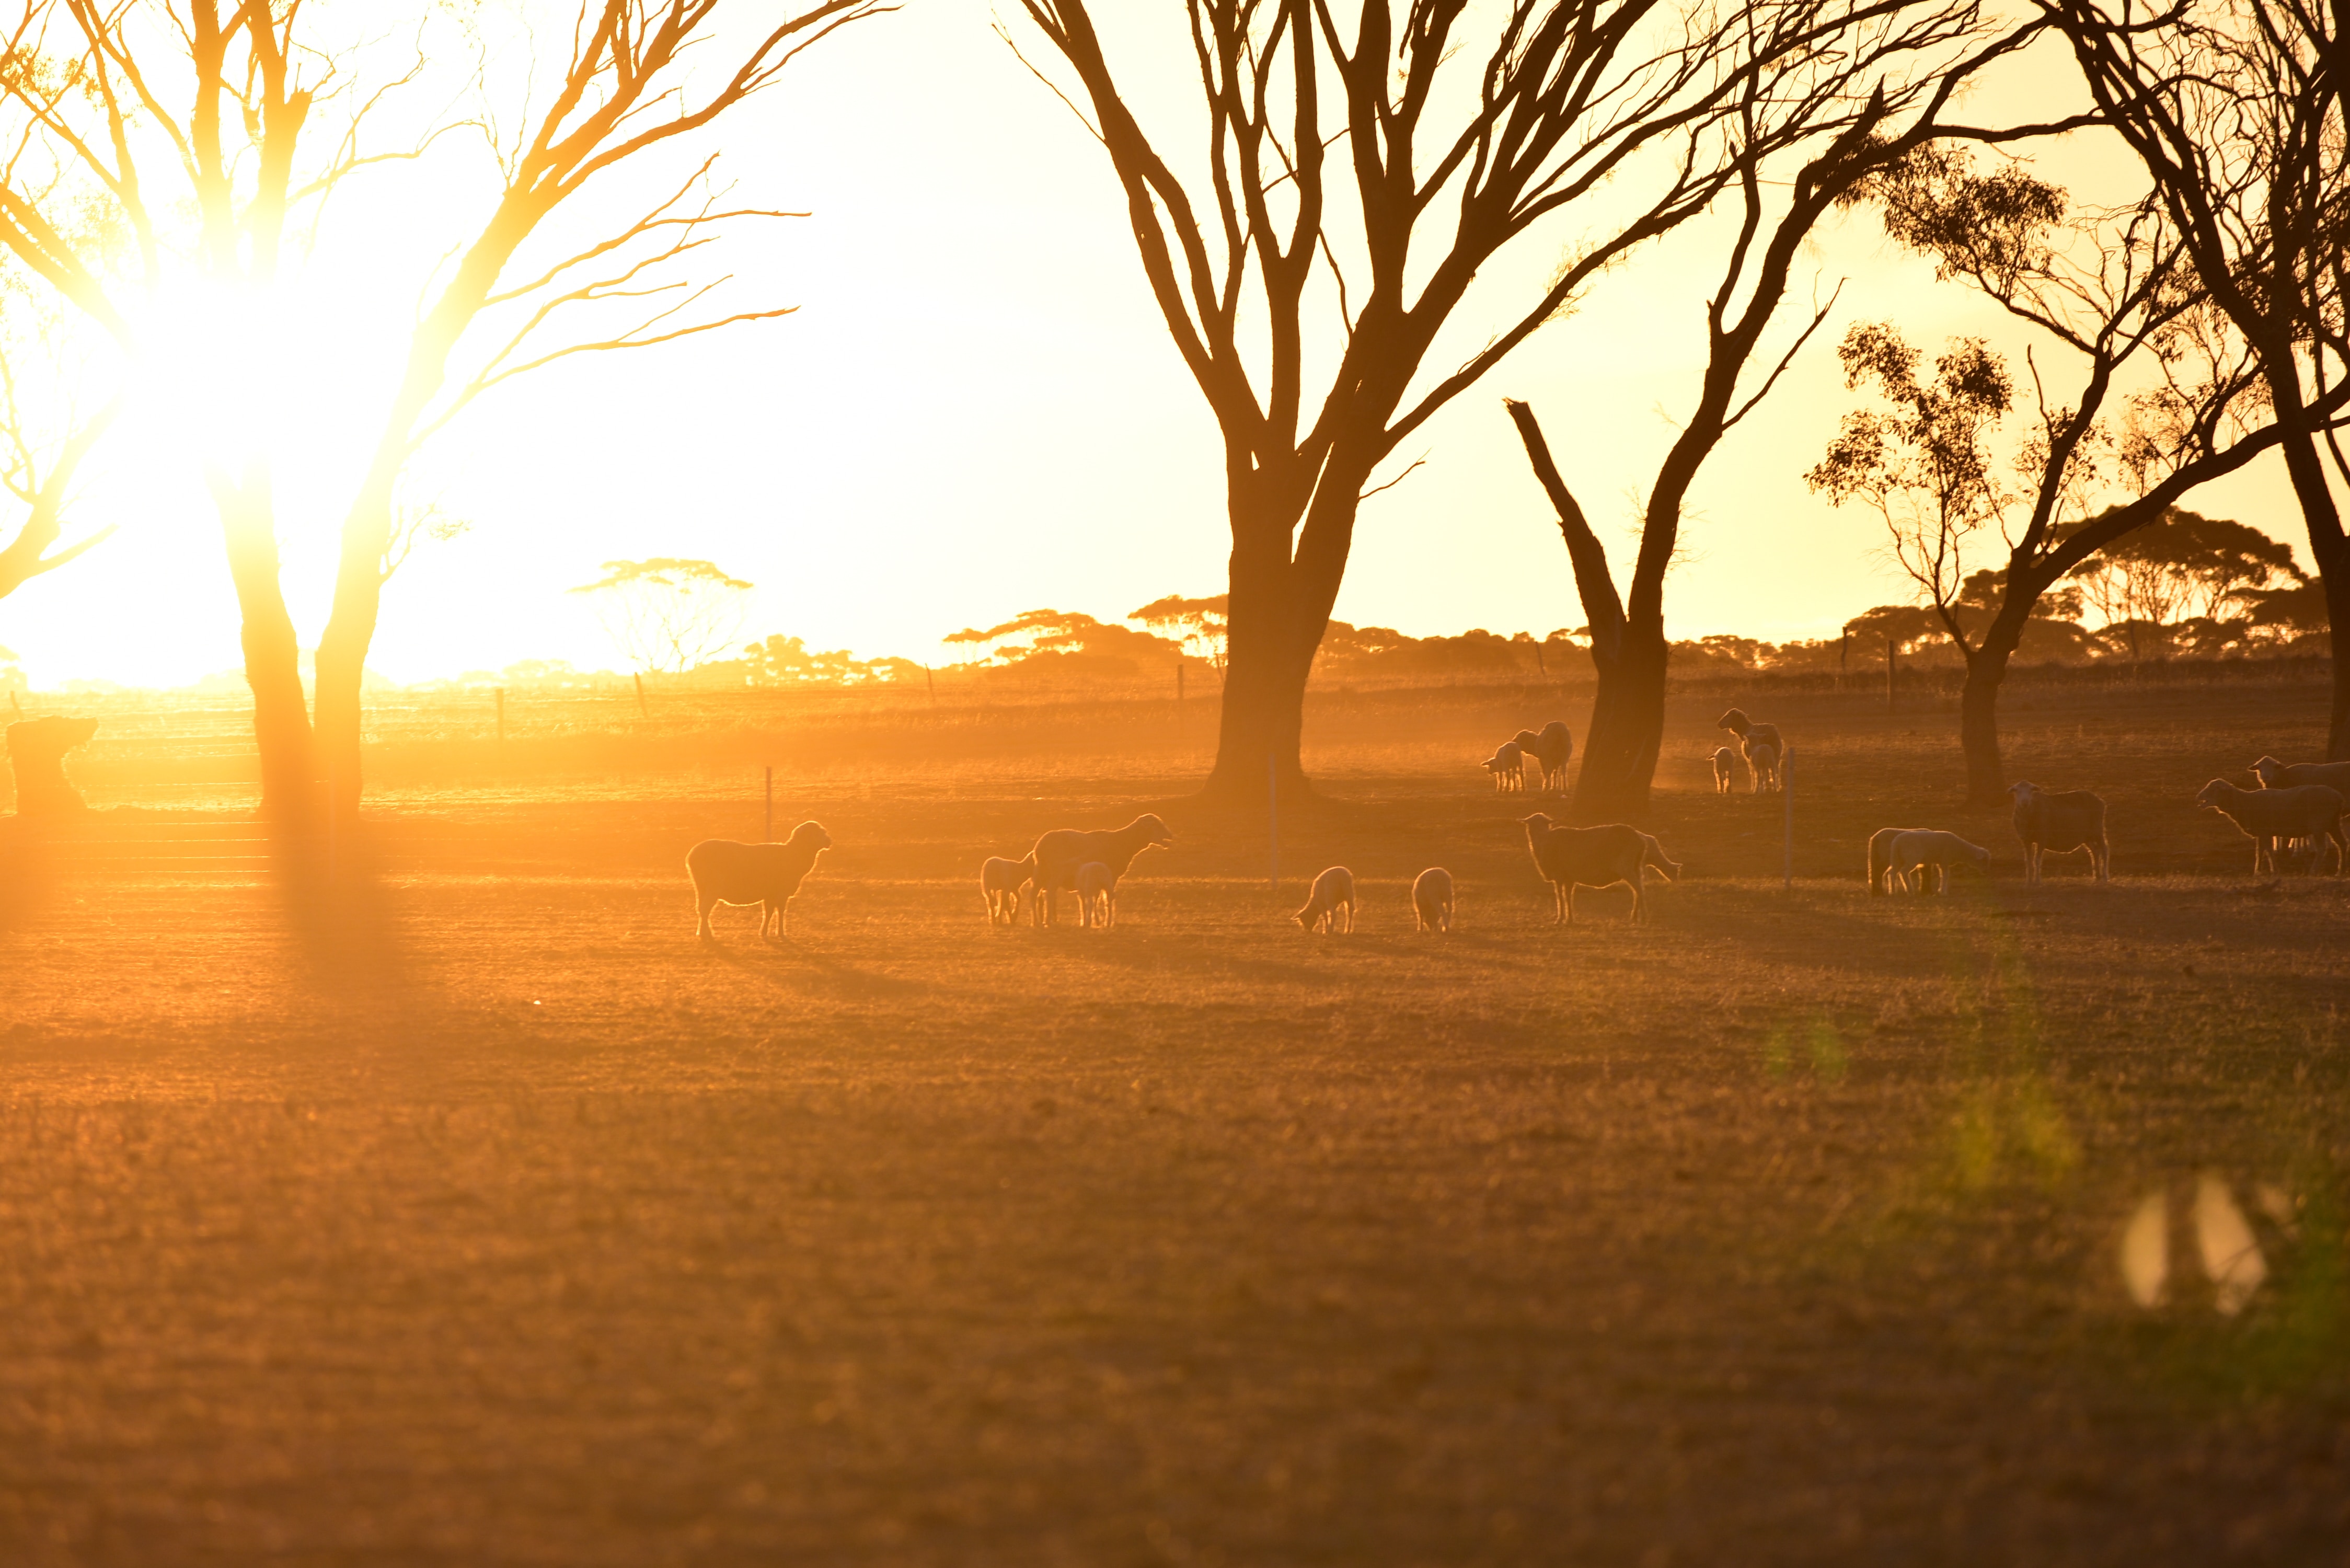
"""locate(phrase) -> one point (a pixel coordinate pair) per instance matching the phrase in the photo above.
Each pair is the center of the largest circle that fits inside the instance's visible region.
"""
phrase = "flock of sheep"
(2297, 807)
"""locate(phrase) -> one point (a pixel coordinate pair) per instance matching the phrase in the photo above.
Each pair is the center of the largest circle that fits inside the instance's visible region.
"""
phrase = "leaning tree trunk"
(343, 646)
(1627, 730)
(273, 654)
(1979, 710)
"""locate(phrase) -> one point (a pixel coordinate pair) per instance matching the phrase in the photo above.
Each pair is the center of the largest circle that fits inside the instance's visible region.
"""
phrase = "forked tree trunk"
(1626, 732)
(1979, 710)
(273, 655)
(343, 646)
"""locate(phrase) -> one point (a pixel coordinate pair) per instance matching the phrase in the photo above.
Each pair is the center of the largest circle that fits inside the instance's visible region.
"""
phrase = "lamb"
(1924, 849)
(726, 872)
(2060, 822)
(1432, 900)
(1750, 734)
(1059, 853)
(1508, 766)
(1550, 751)
(1572, 858)
(1097, 896)
(1725, 763)
(2270, 816)
(1333, 890)
(1001, 881)
(1880, 857)
(1762, 759)
(2274, 774)
(36, 750)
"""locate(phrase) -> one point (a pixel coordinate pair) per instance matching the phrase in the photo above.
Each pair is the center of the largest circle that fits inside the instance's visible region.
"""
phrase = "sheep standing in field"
(1508, 766)
(1880, 857)
(1608, 856)
(1750, 737)
(1059, 853)
(37, 751)
(1333, 890)
(2274, 774)
(1432, 900)
(2059, 822)
(1925, 850)
(1097, 896)
(1551, 751)
(1725, 764)
(2269, 816)
(1762, 758)
(1001, 881)
(726, 872)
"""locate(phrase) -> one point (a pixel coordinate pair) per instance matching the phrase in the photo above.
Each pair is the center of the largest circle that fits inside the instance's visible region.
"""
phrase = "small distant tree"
(668, 614)
(2182, 567)
(1202, 621)
(1066, 642)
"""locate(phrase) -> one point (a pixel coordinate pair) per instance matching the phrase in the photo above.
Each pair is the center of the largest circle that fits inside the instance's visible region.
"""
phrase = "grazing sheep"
(1059, 853)
(1001, 880)
(2274, 774)
(1762, 760)
(1880, 857)
(1572, 858)
(1750, 733)
(1725, 764)
(2271, 816)
(1333, 890)
(1097, 896)
(1551, 751)
(1925, 849)
(1508, 766)
(36, 750)
(1432, 900)
(726, 872)
(2059, 822)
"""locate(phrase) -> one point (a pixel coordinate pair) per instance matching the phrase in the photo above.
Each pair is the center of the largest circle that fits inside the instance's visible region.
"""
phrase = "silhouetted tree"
(2239, 114)
(200, 132)
(666, 613)
(2181, 567)
(1205, 622)
(1620, 119)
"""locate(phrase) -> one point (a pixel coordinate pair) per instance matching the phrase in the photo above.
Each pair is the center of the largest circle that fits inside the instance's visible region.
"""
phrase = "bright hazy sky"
(977, 411)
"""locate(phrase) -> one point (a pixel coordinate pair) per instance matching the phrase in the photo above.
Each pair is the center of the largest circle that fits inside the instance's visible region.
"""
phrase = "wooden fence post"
(768, 835)
(1273, 822)
(642, 712)
(1787, 793)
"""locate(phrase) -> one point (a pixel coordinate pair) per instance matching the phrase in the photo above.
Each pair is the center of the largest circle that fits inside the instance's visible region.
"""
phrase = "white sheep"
(1725, 764)
(1752, 735)
(2059, 822)
(1432, 900)
(1880, 857)
(1762, 760)
(2270, 816)
(1605, 856)
(1508, 766)
(1925, 849)
(727, 872)
(1333, 890)
(1059, 853)
(1097, 896)
(1000, 881)
(1551, 751)
(2274, 774)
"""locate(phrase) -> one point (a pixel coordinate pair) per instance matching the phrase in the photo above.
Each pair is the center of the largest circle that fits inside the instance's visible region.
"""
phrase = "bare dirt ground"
(509, 1226)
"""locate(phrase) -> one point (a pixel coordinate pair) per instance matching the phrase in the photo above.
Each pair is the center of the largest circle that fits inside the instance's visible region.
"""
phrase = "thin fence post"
(642, 712)
(1889, 675)
(1787, 793)
(1273, 821)
(768, 837)
(1178, 683)
(933, 681)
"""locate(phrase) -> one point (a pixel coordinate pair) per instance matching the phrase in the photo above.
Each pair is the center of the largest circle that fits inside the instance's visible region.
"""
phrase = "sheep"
(2267, 815)
(1059, 853)
(1550, 751)
(1432, 900)
(2060, 822)
(1880, 857)
(1333, 890)
(1762, 761)
(1725, 763)
(1000, 880)
(1924, 849)
(2274, 774)
(36, 750)
(1508, 766)
(1097, 896)
(1750, 735)
(1572, 858)
(726, 872)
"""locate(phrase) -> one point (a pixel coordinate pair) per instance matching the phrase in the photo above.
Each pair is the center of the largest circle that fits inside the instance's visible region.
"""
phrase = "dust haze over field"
(497, 1220)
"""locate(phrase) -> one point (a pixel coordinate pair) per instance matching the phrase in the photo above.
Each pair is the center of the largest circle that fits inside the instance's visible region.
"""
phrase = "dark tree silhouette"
(1619, 118)
(43, 487)
(2239, 114)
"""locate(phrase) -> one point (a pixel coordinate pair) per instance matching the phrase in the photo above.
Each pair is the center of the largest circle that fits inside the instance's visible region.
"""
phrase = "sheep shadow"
(811, 970)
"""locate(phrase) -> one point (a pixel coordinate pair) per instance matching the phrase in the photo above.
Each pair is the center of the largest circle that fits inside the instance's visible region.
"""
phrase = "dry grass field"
(492, 1220)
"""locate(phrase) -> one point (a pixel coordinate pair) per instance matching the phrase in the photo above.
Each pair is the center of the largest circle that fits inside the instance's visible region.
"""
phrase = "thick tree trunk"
(1979, 712)
(273, 655)
(343, 646)
(1626, 732)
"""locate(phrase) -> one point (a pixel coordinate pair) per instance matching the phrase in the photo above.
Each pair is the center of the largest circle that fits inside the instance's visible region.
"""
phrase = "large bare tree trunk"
(273, 655)
(1978, 705)
(1627, 730)
(343, 646)
(2323, 519)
